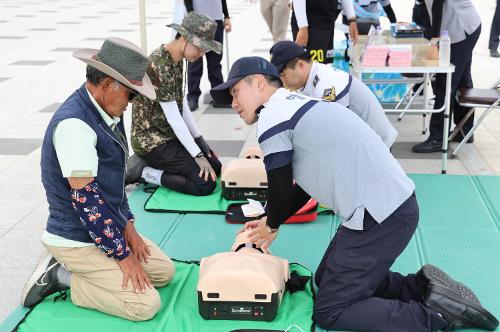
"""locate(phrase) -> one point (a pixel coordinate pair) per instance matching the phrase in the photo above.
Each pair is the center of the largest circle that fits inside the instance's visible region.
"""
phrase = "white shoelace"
(42, 282)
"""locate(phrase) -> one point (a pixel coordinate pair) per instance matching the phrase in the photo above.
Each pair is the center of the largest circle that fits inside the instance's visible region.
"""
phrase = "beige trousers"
(276, 14)
(96, 281)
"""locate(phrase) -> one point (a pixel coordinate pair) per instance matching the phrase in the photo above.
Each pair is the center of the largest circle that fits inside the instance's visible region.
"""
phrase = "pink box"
(375, 55)
(400, 56)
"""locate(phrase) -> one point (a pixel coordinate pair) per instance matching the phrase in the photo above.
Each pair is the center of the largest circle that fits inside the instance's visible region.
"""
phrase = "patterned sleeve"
(98, 220)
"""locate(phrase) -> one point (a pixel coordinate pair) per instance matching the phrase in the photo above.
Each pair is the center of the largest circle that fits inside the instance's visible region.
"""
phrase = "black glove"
(202, 144)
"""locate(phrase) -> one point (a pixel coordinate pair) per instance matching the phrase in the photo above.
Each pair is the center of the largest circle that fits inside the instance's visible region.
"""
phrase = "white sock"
(152, 175)
(64, 276)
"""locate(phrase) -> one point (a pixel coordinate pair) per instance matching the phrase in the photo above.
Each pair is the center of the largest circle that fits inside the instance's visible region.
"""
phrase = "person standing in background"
(276, 13)
(495, 33)
(463, 24)
(216, 10)
(313, 24)
(368, 13)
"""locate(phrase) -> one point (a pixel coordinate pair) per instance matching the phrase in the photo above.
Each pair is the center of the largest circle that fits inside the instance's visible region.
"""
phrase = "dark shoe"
(459, 137)
(135, 164)
(193, 105)
(494, 54)
(428, 146)
(432, 274)
(458, 311)
(43, 282)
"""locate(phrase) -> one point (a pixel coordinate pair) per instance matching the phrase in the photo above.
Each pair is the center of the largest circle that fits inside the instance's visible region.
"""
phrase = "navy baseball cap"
(284, 51)
(241, 68)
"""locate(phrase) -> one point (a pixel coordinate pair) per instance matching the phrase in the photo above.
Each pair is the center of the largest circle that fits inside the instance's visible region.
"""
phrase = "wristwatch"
(352, 19)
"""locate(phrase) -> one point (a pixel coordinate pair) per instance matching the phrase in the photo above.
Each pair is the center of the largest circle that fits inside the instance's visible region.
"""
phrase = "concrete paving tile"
(7, 160)
(402, 150)
(42, 29)
(65, 49)
(31, 63)
(50, 108)
(18, 146)
(426, 166)
(26, 234)
(223, 127)
(13, 37)
(12, 288)
(226, 148)
(218, 110)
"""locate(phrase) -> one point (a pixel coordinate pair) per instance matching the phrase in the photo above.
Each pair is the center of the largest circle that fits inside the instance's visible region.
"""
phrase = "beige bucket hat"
(123, 61)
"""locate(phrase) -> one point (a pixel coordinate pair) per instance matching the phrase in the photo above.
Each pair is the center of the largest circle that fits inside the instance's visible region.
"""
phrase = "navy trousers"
(495, 29)
(461, 57)
(356, 289)
(214, 68)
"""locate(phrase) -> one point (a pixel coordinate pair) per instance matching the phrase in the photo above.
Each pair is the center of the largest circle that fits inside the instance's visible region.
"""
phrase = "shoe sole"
(438, 276)
(489, 323)
(37, 272)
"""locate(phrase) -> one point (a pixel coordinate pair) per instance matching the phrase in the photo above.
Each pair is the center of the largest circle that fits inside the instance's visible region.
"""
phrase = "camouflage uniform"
(149, 124)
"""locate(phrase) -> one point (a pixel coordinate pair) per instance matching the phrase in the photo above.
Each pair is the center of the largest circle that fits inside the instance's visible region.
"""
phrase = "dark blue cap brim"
(220, 93)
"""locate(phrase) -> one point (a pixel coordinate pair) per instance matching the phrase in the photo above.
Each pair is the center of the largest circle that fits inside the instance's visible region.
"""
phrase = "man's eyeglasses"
(131, 95)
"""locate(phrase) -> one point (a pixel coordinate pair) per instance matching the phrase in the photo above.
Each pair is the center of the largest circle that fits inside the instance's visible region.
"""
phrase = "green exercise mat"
(179, 311)
(167, 200)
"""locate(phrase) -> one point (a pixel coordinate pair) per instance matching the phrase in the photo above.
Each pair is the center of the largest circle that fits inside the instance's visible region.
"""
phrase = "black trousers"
(461, 57)
(495, 29)
(214, 68)
(181, 172)
(320, 42)
(356, 289)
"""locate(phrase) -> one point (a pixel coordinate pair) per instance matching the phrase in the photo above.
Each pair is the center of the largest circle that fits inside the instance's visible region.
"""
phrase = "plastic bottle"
(379, 37)
(444, 49)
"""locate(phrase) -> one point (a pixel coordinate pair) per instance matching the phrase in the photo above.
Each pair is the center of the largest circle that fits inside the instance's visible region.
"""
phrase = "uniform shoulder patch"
(315, 80)
(329, 94)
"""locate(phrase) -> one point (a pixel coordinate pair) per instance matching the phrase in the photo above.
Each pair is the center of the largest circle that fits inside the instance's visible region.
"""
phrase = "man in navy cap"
(336, 158)
(299, 72)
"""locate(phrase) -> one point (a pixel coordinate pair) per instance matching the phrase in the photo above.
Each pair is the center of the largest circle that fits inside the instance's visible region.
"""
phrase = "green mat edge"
(18, 316)
(14, 319)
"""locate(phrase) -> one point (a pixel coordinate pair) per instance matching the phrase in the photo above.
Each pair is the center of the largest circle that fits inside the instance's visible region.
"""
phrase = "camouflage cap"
(199, 30)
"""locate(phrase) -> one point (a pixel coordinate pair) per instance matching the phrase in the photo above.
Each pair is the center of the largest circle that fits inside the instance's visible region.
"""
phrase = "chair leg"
(458, 128)
(476, 124)
(410, 102)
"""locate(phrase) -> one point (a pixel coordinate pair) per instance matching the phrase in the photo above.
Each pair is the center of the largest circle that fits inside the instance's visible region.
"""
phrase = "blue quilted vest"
(63, 219)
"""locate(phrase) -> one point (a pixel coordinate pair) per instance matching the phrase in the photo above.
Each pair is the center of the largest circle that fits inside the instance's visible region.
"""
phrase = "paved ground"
(37, 73)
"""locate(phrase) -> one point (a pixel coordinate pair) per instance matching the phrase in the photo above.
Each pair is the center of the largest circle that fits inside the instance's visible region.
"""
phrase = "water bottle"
(444, 49)
(379, 37)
